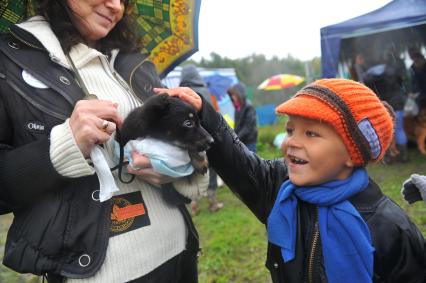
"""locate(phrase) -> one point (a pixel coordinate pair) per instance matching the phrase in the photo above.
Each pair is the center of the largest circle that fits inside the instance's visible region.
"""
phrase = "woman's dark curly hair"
(123, 36)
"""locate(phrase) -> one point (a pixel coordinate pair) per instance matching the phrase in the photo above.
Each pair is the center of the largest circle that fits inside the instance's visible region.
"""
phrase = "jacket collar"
(39, 28)
(368, 199)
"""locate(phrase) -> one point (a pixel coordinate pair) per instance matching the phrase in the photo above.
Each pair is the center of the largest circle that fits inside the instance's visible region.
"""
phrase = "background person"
(192, 79)
(418, 76)
(245, 116)
(327, 221)
(386, 80)
(357, 68)
(47, 179)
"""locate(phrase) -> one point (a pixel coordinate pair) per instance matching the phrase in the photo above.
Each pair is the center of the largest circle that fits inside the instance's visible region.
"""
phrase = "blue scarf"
(345, 237)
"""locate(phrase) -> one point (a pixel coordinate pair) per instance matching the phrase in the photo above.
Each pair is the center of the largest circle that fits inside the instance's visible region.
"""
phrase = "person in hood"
(245, 116)
(191, 78)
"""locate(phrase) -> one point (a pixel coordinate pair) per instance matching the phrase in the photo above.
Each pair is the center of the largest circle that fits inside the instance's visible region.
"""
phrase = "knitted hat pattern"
(364, 123)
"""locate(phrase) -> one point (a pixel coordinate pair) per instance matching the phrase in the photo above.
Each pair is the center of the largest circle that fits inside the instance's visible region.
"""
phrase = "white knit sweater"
(133, 254)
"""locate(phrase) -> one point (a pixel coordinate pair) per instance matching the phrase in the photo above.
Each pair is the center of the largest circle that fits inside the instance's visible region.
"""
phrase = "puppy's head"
(168, 119)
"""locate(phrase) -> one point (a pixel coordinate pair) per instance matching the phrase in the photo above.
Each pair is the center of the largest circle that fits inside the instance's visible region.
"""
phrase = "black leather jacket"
(56, 219)
(400, 247)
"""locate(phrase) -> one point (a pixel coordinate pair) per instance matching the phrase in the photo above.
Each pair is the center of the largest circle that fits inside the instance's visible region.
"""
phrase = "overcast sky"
(239, 28)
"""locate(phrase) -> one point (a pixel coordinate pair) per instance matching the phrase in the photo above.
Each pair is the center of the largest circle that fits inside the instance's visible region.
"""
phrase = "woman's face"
(94, 19)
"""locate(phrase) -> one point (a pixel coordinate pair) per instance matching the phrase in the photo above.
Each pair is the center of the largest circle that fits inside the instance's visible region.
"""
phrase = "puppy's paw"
(199, 161)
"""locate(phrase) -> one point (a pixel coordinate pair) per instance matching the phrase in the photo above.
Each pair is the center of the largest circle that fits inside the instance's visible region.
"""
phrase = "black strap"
(79, 80)
(121, 161)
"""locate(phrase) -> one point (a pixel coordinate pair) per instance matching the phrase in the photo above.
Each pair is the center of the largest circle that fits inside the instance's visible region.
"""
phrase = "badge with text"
(128, 213)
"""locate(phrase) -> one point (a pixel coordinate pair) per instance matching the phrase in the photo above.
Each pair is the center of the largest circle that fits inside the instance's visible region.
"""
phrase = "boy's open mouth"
(296, 160)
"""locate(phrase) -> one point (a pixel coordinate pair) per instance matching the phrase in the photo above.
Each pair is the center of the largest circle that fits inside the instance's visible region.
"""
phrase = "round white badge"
(29, 79)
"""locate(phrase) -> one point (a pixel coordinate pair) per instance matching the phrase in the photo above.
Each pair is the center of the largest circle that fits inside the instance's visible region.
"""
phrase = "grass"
(234, 242)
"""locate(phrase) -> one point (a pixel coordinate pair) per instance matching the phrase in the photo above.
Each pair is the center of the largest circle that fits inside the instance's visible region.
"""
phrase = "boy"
(326, 220)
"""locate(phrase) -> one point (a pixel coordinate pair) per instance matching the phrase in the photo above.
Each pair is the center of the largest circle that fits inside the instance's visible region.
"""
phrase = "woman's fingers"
(184, 93)
(108, 126)
(150, 176)
(93, 122)
(139, 161)
(141, 166)
(104, 109)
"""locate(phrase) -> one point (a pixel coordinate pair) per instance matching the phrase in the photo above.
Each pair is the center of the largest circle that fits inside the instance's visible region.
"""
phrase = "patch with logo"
(35, 127)
(371, 136)
(128, 213)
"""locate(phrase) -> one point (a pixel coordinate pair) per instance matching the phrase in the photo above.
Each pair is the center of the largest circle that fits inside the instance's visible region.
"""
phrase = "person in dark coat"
(386, 80)
(245, 116)
(418, 75)
(327, 221)
(190, 77)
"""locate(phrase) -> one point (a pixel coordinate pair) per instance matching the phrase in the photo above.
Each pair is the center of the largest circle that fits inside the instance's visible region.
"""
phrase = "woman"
(47, 138)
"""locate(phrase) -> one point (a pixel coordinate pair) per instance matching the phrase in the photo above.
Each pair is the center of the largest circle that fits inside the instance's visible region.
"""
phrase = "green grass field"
(234, 242)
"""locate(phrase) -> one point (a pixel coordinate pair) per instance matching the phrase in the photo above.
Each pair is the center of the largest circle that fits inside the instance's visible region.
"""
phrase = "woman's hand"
(92, 122)
(141, 166)
(184, 93)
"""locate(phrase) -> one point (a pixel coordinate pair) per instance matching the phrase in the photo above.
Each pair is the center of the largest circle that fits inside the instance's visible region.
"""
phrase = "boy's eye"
(289, 131)
(311, 134)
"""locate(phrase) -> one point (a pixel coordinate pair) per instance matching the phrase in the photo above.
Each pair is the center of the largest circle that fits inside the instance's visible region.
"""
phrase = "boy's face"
(314, 152)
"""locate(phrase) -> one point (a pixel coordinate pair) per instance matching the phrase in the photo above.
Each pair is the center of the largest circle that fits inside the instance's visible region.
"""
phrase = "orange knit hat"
(364, 123)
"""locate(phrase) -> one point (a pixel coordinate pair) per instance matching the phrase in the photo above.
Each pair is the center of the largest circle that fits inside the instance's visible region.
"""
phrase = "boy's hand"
(184, 93)
(414, 188)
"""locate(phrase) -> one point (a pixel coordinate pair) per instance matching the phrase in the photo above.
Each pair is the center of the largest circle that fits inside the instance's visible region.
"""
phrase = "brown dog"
(415, 129)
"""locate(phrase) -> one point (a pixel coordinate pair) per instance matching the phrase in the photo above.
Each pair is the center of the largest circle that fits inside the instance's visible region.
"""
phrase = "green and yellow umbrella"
(169, 28)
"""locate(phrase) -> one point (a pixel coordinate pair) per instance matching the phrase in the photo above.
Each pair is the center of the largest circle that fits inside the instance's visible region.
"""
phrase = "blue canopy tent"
(399, 22)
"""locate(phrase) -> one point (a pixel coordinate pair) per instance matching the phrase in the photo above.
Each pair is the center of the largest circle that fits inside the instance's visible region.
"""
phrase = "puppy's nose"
(205, 144)
(210, 140)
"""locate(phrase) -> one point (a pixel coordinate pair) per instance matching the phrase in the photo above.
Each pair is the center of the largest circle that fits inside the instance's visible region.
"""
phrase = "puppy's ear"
(157, 106)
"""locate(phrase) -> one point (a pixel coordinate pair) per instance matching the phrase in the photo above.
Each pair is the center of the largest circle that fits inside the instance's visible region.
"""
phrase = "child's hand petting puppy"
(142, 168)
(184, 93)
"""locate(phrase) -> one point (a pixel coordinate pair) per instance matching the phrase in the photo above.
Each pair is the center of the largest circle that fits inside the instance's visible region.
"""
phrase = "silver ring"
(105, 124)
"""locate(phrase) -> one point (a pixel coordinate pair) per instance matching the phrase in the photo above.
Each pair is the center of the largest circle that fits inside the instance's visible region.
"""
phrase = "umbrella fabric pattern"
(13, 11)
(169, 28)
(281, 81)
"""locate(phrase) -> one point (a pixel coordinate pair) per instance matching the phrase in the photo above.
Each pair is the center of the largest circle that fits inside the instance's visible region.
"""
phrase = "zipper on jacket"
(126, 86)
(26, 42)
(37, 105)
(314, 247)
(119, 79)
(131, 76)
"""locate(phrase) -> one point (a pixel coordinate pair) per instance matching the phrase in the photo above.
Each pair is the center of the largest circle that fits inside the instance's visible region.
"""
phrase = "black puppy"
(170, 120)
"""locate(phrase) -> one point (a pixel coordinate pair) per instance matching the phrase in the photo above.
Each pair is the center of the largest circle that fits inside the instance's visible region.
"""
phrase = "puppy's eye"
(188, 123)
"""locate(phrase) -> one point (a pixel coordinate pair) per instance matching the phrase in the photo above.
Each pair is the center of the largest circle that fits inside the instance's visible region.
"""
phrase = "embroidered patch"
(128, 213)
(371, 136)
(35, 127)
(29, 79)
